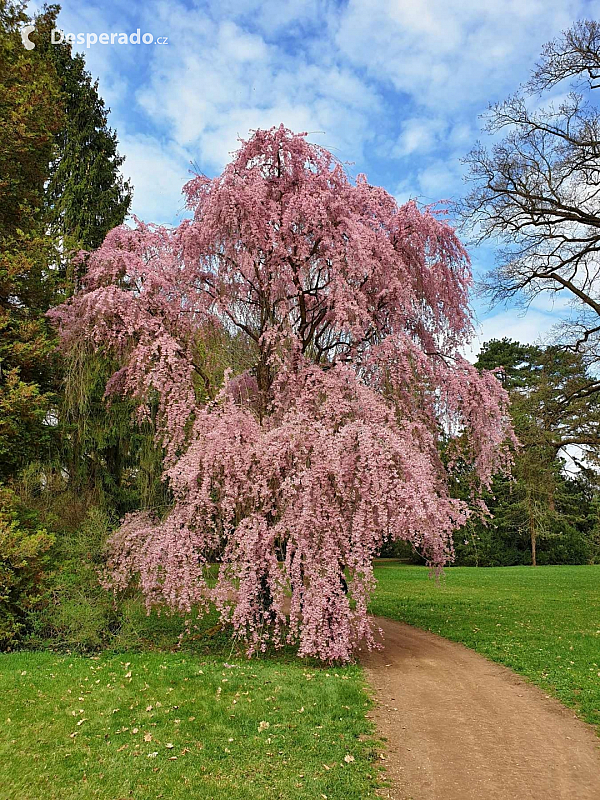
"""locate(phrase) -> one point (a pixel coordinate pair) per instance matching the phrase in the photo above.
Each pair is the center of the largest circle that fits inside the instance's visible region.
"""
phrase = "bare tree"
(537, 189)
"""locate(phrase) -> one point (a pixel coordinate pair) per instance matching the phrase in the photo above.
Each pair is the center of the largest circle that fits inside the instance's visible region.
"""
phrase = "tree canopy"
(536, 190)
(354, 311)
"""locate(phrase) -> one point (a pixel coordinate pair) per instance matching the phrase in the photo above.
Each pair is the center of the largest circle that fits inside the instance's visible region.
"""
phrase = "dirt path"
(462, 728)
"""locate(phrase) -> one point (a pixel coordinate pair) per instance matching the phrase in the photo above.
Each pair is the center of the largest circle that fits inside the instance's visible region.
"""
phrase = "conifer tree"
(30, 118)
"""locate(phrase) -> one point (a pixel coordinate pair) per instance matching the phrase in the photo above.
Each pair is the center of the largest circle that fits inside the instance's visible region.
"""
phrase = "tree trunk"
(532, 527)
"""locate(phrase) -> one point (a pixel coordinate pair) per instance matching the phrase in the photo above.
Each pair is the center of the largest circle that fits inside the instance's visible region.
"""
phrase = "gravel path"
(460, 727)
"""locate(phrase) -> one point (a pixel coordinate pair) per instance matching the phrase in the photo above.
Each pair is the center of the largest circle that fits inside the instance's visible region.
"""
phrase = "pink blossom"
(355, 311)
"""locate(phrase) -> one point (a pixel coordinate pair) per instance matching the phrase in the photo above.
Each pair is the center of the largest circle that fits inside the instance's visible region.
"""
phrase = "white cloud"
(438, 180)
(558, 303)
(451, 54)
(434, 180)
(219, 81)
(419, 135)
(532, 327)
(158, 172)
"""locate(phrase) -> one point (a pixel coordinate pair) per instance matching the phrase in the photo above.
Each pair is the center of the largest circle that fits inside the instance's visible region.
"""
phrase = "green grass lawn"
(151, 725)
(542, 622)
(152, 722)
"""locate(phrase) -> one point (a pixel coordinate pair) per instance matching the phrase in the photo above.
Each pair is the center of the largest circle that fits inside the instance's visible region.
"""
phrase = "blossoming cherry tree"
(353, 312)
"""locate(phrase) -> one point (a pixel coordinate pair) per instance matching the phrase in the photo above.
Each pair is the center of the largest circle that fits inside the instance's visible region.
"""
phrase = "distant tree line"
(549, 512)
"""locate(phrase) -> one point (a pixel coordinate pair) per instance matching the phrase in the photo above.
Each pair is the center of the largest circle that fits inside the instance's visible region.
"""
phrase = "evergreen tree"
(62, 192)
(542, 514)
(30, 118)
(86, 195)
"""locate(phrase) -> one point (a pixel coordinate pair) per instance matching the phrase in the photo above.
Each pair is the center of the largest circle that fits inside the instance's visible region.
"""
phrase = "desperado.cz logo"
(88, 39)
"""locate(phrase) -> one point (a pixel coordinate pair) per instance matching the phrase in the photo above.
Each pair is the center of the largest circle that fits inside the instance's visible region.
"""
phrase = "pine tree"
(86, 197)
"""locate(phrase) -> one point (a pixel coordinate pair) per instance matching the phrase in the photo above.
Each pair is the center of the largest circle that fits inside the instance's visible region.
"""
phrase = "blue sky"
(394, 86)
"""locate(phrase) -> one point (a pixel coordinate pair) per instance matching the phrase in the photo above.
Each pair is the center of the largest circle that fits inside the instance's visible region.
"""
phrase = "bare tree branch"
(537, 190)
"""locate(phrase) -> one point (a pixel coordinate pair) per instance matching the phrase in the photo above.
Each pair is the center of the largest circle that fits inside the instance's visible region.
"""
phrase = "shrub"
(80, 615)
(24, 547)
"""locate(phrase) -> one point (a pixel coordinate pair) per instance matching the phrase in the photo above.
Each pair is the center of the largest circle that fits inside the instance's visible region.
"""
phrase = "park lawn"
(178, 725)
(542, 622)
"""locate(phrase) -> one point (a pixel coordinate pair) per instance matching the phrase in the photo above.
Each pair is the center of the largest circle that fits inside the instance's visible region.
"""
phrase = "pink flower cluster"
(354, 310)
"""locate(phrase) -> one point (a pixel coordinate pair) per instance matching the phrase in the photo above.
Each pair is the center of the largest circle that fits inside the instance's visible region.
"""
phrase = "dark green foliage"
(30, 118)
(566, 533)
(61, 191)
(104, 449)
(517, 361)
(24, 545)
(86, 195)
(77, 613)
(80, 614)
(545, 514)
